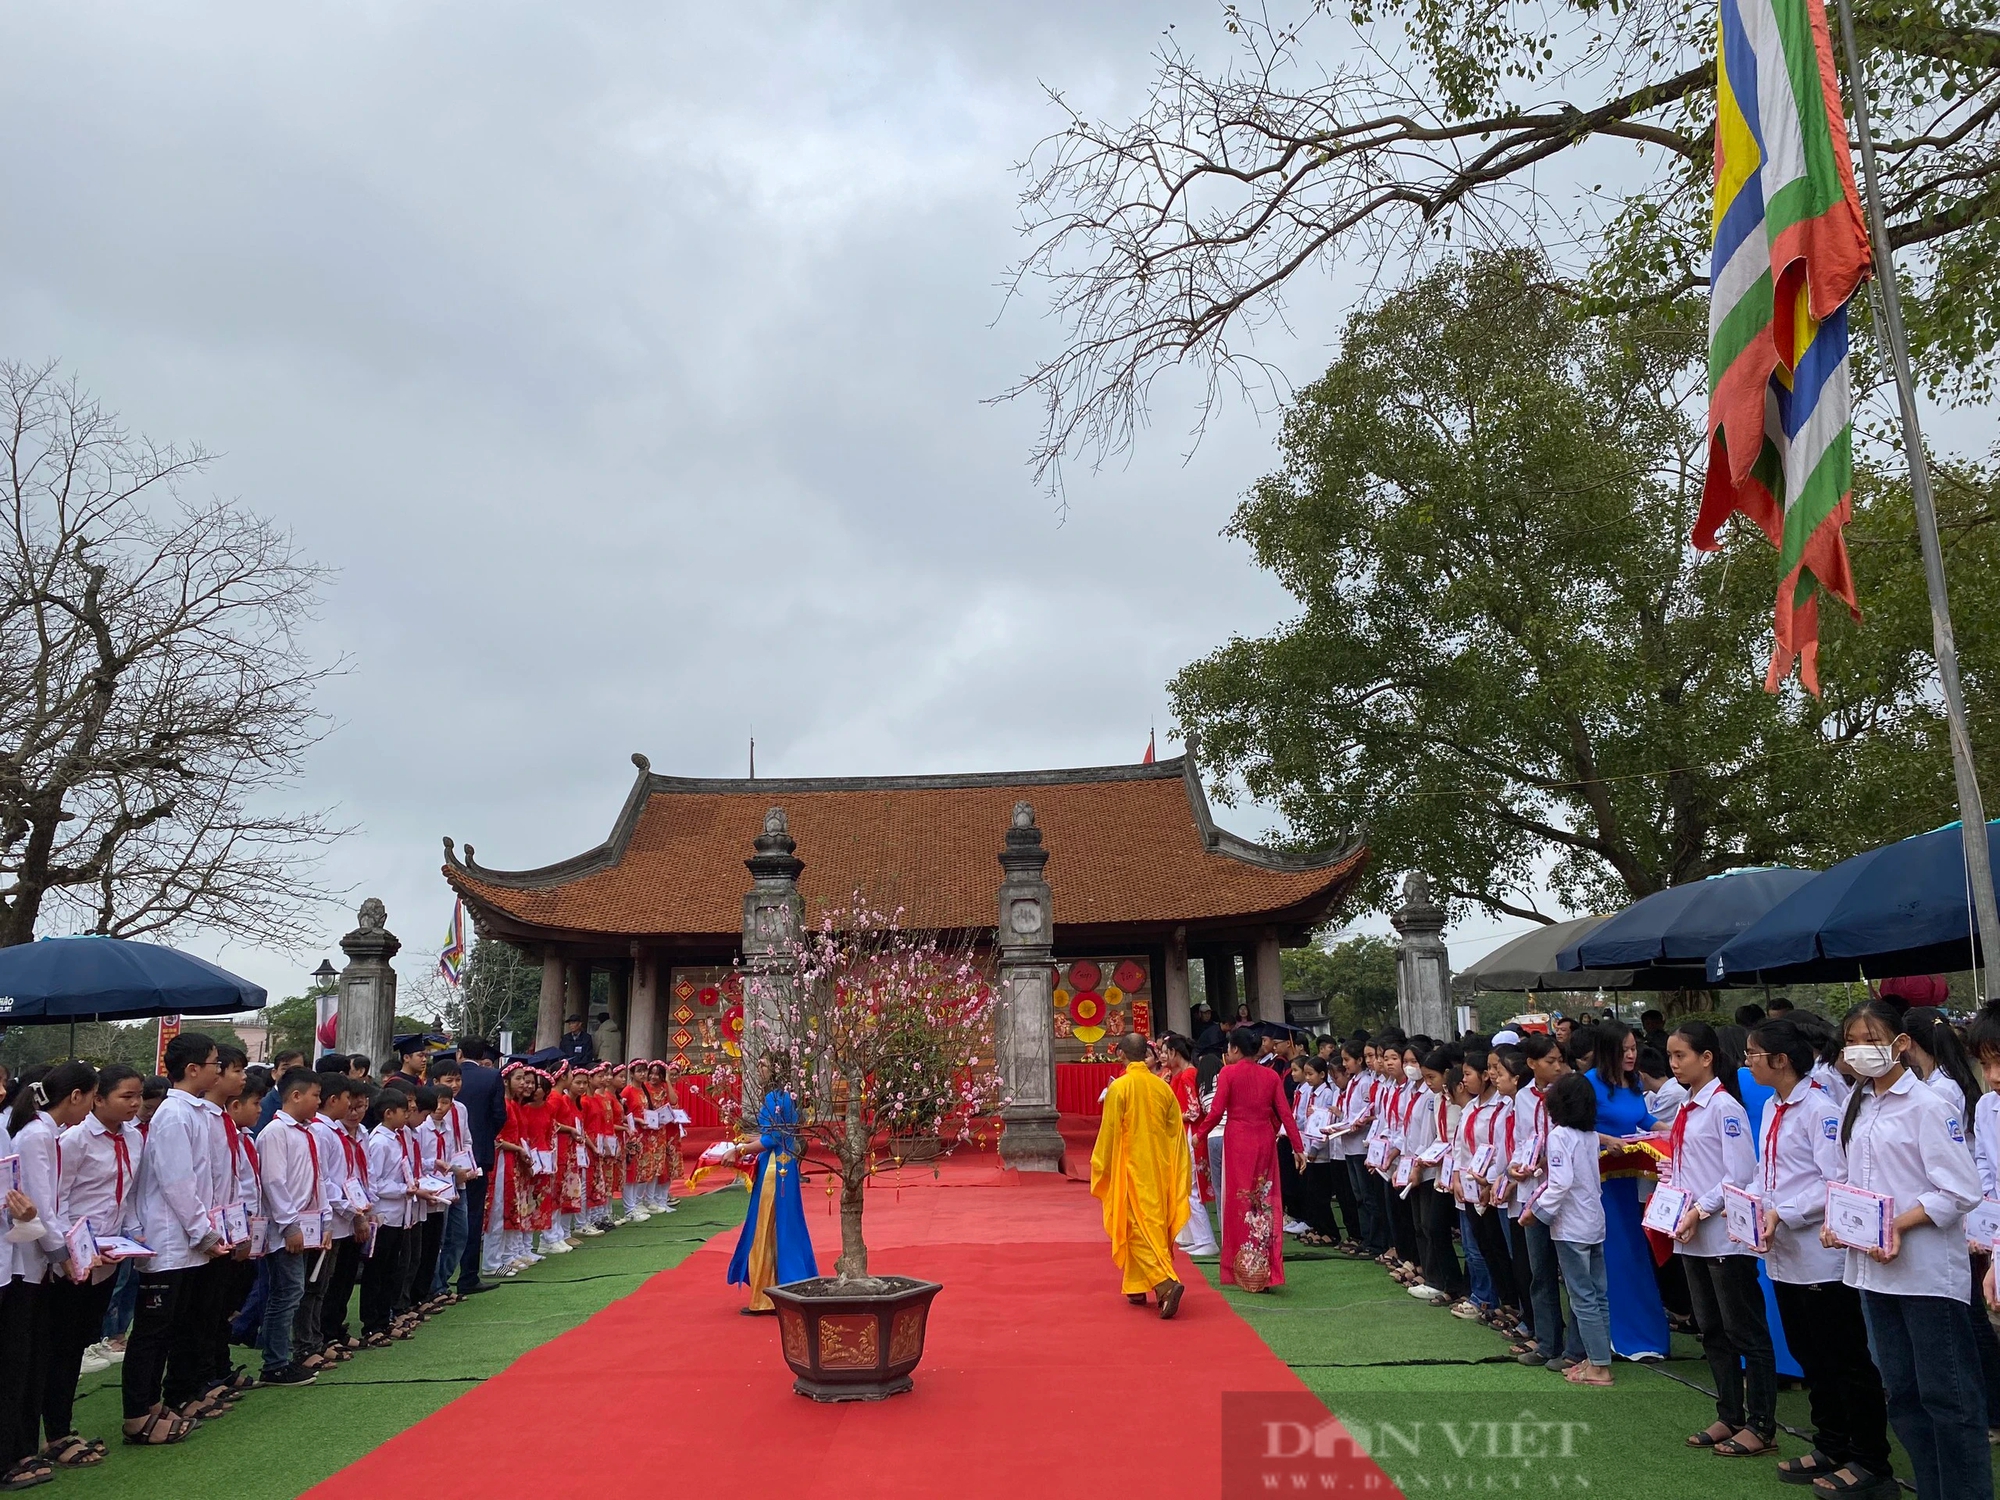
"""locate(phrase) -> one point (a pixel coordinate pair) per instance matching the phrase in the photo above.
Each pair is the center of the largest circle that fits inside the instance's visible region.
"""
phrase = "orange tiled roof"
(1128, 845)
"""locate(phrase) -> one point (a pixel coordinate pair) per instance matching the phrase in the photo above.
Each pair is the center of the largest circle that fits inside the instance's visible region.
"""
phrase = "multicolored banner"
(451, 961)
(1790, 250)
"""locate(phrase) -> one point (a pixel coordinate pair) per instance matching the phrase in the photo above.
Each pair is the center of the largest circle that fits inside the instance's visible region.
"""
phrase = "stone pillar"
(1423, 965)
(1267, 990)
(774, 914)
(576, 995)
(642, 1035)
(1180, 1014)
(368, 985)
(1025, 1023)
(610, 1037)
(548, 1010)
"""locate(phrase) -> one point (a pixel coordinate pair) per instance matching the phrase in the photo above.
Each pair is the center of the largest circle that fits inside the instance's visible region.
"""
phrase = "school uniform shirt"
(419, 1208)
(336, 1169)
(1907, 1145)
(1571, 1198)
(1318, 1115)
(434, 1154)
(1429, 1123)
(389, 1176)
(221, 1161)
(175, 1186)
(7, 1256)
(1357, 1111)
(1836, 1083)
(1946, 1088)
(1986, 1143)
(39, 1146)
(1796, 1158)
(249, 1166)
(1531, 1136)
(458, 1134)
(1664, 1103)
(294, 1176)
(1712, 1149)
(100, 1167)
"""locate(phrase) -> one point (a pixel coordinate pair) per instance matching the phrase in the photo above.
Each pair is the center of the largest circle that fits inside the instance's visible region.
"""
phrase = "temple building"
(1143, 882)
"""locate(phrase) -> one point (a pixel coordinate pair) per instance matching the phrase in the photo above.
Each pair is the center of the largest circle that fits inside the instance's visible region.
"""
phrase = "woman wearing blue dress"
(774, 1248)
(1638, 1321)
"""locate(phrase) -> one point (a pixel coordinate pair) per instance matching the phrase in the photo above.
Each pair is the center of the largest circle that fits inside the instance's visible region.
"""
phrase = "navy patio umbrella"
(1684, 924)
(1900, 909)
(113, 979)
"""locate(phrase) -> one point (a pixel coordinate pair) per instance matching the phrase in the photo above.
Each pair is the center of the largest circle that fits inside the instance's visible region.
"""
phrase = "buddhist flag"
(451, 960)
(1790, 250)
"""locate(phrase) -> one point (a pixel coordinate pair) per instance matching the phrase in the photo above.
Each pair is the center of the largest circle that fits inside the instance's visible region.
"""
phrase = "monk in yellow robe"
(1140, 1172)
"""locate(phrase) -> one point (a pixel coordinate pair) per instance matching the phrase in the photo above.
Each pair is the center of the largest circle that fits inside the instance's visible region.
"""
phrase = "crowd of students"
(311, 1215)
(1497, 1178)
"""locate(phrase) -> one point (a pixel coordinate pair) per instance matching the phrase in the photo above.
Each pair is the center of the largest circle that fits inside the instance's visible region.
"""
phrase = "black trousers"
(19, 1410)
(1350, 1205)
(1829, 1338)
(309, 1322)
(1729, 1311)
(424, 1272)
(1402, 1222)
(339, 1290)
(475, 1231)
(163, 1351)
(1315, 1203)
(381, 1280)
(1491, 1238)
(220, 1287)
(1523, 1268)
(1374, 1206)
(1436, 1214)
(68, 1320)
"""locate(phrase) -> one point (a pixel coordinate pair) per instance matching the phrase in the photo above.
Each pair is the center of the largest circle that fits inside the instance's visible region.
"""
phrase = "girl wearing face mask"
(1902, 1140)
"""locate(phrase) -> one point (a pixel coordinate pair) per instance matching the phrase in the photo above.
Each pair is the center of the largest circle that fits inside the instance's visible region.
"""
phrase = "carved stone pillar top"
(774, 859)
(1419, 916)
(1423, 963)
(367, 1012)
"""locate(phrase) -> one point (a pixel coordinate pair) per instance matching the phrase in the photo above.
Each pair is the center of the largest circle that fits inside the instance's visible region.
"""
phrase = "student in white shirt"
(1403, 1079)
(1507, 1070)
(344, 1105)
(1558, 1340)
(1429, 1135)
(1712, 1150)
(174, 1193)
(295, 1220)
(50, 1102)
(1799, 1152)
(1902, 1141)
(1313, 1111)
(1664, 1095)
(1359, 1203)
(1569, 1204)
(389, 1183)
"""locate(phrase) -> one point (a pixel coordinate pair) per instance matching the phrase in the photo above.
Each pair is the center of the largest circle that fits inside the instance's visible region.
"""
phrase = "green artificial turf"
(279, 1443)
(1377, 1356)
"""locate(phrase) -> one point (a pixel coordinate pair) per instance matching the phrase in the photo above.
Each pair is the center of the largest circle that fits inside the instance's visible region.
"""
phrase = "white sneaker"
(92, 1363)
(666, 1208)
(1296, 1226)
(560, 1247)
(590, 1231)
(637, 1215)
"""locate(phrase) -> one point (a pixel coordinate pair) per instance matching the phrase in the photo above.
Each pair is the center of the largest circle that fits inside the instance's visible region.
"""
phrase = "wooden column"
(1219, 967)
(1179, 1015)
(610, 1037)
(642, 1031)
(549, 1010)
(576, 992)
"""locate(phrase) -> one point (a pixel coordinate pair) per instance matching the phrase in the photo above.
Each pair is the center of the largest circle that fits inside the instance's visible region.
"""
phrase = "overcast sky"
(630, 366)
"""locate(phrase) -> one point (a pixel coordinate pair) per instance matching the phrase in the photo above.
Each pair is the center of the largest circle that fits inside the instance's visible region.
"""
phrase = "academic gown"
(773, 1247)
(1140, 1172)
(1254, 1100)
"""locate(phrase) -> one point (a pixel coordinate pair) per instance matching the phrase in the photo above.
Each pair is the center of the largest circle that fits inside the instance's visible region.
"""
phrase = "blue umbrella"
(111, 979)
(1900, 909)
(1684, 924)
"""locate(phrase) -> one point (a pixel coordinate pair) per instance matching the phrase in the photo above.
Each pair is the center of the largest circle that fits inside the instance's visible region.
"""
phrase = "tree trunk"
(853, 1262)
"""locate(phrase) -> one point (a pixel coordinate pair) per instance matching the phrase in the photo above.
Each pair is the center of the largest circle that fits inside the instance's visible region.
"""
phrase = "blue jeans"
(124, 1297)
(1475, 1263)
(451, 1249)
(285, 1272)
(1554, 1333)
(1929, 1360)
(1589, 1296)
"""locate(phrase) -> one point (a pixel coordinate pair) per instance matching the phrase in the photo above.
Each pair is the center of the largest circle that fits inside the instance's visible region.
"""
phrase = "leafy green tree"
(1377, 132)
(1353, 981)
(1510, 663)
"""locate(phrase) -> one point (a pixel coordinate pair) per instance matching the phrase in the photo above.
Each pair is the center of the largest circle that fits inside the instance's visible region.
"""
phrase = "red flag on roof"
(1147, 760)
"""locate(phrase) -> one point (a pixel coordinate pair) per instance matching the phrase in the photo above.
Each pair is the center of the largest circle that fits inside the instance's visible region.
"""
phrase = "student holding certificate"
(1570, 1203)
(1712, 1150)
(1798, 1154)
(1906, 1148)
(50, 1101)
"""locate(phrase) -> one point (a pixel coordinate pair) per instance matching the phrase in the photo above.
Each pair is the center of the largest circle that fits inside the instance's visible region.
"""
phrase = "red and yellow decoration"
(732, 1030)
(1087, 1013)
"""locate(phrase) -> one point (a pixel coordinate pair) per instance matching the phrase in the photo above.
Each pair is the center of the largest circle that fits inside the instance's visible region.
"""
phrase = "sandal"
(1849, 1480)
(26, 1474)
(149, 1432)
(206, 1408)
(1708, 1437)
(376, 1341)
(71, 1452)
(1735, 1447)
(1575, 1376)
(1806, 1468)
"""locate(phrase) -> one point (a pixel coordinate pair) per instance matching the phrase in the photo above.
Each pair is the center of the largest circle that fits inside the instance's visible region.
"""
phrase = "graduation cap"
(1273, 1030)
(419, 1041)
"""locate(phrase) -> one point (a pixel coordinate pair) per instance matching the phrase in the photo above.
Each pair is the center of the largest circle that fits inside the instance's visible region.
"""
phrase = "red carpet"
(1039, 1380)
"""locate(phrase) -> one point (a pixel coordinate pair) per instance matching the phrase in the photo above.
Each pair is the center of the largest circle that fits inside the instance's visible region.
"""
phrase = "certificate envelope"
(1856, 1217)
(1666, 1208)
